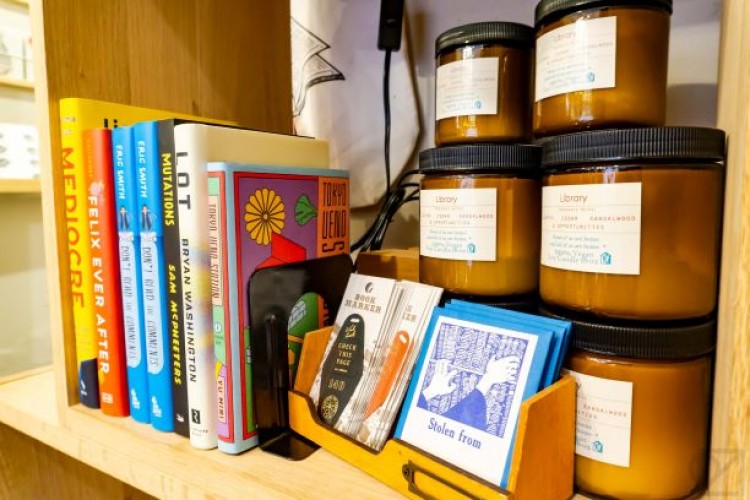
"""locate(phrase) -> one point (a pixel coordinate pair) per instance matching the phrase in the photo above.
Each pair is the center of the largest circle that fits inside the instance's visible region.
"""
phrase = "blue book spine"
(129, 237)
(154, 282)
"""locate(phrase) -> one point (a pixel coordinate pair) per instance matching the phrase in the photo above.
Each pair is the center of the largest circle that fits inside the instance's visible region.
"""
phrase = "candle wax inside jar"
(515, 269)
(669, 428)
(512, 122)
(639, 94)
(679, 247)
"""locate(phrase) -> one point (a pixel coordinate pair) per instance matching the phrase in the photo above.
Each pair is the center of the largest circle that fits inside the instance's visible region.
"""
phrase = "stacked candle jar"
(480, 194)
(631, 223)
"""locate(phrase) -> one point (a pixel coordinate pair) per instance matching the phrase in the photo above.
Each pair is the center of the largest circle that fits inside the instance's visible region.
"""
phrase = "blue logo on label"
(598, 447)
(471, 248)
(606, 258)
(591, 76)
(477, 104)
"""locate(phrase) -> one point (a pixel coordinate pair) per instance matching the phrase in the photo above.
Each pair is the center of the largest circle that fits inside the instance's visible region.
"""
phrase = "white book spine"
(196, 287)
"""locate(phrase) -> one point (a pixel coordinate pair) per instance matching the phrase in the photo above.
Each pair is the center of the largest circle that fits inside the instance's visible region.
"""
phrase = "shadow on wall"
(692, 104)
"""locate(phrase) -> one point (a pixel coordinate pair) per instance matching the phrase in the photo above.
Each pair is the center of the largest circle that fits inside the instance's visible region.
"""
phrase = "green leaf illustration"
(304, 211)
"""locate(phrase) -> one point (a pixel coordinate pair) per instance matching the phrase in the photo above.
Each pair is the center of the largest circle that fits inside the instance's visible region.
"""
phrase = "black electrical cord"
(387, 115)
(394, 197)
(391, 204)
(412, 197)
(379, 235)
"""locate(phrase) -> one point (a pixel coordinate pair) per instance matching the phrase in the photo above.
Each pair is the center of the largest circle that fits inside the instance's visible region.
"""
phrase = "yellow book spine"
(79, 252)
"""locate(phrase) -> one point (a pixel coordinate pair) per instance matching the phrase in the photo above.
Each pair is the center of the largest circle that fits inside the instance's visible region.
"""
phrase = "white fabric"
(337, 78)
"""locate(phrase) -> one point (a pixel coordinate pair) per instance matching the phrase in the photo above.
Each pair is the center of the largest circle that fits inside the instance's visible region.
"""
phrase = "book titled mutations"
(368, 359)
(477, 366)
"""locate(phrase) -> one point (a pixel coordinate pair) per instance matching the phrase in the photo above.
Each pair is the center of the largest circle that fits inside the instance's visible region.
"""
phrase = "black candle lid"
(528, 303)
(547, 9)
(650, 143)
(639, 339)
(474, 158)
(487, 32)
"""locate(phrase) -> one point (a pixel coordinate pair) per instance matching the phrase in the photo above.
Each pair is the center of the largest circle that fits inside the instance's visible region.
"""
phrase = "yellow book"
(76, 116)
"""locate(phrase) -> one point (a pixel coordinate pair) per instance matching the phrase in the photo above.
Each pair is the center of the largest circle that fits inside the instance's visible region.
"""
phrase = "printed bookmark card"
(394, 365)
(360, 319)
(466, 393)
(351, 417)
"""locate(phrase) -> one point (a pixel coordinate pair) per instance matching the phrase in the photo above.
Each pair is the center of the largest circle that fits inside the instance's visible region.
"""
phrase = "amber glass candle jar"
(631, 222)
(643, 407)
(600, 64)
(483, 83)
(479, 219)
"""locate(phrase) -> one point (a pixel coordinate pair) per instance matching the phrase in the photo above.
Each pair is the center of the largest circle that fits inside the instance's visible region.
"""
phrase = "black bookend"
(272, 294)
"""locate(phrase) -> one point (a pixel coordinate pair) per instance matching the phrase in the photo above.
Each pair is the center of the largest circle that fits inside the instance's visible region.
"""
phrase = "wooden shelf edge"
(164, 464)
(19, 84)
(25, 374)
(20, 186)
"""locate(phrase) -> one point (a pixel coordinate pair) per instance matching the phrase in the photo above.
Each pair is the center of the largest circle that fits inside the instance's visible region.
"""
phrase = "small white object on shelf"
(19, 151)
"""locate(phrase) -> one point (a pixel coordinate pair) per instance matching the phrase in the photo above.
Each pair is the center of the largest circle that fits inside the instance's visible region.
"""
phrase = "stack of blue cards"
(477, 365)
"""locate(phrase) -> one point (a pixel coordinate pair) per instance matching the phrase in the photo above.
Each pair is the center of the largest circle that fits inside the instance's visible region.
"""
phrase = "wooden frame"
(544, 444)
(203, 57)
(20, 186)
(19, 84)
(731, 412)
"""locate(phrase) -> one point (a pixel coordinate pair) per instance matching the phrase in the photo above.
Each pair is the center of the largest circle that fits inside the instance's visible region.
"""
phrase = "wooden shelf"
(12, 82)
(164, 464)
(126, 53)
(20, 186)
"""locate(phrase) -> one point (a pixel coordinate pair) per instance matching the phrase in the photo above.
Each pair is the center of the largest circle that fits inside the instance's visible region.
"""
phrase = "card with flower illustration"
(466, 393)
(262, 216)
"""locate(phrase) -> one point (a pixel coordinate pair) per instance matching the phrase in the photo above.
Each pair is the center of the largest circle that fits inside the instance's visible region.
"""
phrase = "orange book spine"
(105, 262)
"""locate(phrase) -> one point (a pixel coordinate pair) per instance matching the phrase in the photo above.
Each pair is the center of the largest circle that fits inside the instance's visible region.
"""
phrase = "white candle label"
(604, 411)
(592, 228)
(458, 224)
(466, 87)
(579, 56)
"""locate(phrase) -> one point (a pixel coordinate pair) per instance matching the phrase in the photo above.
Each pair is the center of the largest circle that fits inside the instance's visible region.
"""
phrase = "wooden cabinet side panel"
(30, 469)
(228, 60)
(730, 454)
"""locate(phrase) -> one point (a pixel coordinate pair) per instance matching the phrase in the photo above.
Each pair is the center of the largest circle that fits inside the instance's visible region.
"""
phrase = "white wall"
(691, 94)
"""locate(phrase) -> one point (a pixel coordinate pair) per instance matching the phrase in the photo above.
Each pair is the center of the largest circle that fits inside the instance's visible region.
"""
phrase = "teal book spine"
(129, 239)
(158, 354)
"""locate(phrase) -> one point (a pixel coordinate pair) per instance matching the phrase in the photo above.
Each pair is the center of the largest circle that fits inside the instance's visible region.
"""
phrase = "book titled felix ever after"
(464, 399)
(261, 216)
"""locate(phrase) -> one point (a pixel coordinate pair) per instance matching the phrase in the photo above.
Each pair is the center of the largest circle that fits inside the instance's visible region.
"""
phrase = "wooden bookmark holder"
(541, 467)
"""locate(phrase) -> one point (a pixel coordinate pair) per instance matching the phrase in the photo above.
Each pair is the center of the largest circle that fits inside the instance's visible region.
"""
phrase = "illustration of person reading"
(123, 219)
(146, 222)
(471, 410)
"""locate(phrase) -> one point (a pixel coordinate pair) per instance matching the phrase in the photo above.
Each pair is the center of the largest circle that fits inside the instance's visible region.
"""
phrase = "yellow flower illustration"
(264, 215)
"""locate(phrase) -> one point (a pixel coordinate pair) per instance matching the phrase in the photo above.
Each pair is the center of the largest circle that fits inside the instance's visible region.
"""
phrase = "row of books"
(167, 216)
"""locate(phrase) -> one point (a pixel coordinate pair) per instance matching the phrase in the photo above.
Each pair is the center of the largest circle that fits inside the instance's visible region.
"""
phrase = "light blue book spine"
(129, 236)
(158, 353)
